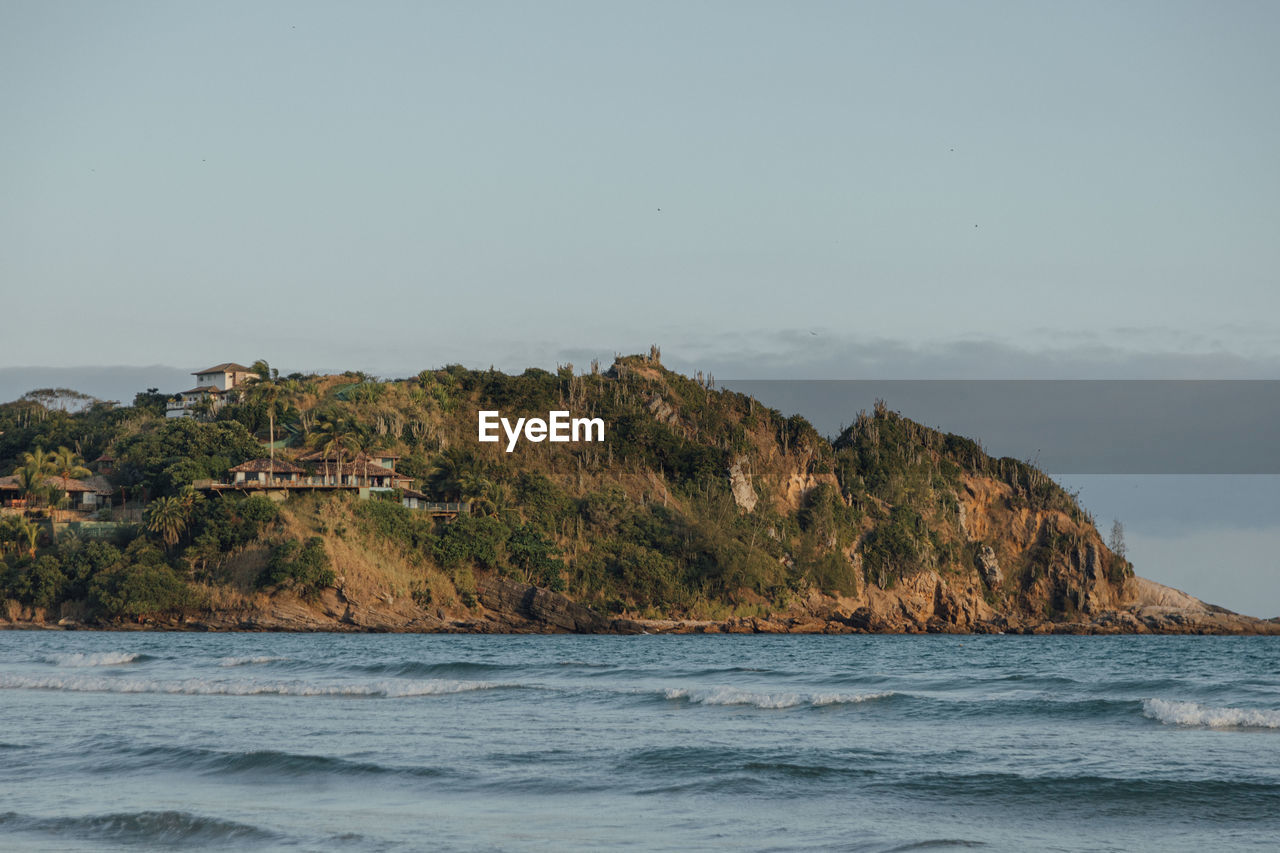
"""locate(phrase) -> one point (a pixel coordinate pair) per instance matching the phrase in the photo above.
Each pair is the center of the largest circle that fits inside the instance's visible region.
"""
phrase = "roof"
(361, 468)
(319, 456)
(71, 485)
(98, 485)
(229, 367)
(204, 389)
(280, 466)
(373, 469)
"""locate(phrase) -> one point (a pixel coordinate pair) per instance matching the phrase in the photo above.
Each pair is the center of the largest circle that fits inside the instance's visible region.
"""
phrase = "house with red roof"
(212, 387)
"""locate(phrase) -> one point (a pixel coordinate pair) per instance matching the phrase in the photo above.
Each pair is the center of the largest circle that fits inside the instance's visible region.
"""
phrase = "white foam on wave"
(769, 701)
(250, 661)
(1175, 713)
(92, 658)
(204, 687)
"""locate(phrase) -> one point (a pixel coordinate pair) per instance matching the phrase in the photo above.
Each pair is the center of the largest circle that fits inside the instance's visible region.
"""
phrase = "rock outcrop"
(744, 493)
(523, 607)
(989, 566)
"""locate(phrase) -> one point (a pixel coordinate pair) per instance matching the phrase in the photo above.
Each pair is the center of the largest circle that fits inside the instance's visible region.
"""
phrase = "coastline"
(511, 607)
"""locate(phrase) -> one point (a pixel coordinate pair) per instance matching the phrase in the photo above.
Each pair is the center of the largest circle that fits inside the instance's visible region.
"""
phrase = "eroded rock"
(744, 494)
(989, 567)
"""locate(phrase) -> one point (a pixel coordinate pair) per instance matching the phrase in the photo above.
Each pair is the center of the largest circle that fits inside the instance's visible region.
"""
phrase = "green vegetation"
(643, 523)
(303, 568)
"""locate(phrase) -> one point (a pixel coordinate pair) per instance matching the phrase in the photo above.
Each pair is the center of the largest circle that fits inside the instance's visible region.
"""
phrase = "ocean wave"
(250, 661)
(768, 701)
(1174, 713)
(582, 664)
(742, 770)
(412, 669)
(144, 827)
(1184, 798)
(204, 687)
(95, 658)
(264, 762)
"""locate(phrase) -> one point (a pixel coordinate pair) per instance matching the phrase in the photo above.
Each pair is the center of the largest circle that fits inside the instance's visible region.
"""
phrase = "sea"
(185, 741)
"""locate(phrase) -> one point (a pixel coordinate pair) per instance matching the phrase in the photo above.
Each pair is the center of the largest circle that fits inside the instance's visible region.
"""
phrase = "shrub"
(303, 568)
(471, 541)
(395, 522)
(897, 548)
(46, 582)
(533, 556)
(140, 589)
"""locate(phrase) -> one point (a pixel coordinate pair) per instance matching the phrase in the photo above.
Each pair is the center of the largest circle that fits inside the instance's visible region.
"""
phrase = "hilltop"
(701, 510)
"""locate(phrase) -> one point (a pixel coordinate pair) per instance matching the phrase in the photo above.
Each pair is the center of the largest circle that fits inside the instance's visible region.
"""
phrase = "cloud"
(1153, 353)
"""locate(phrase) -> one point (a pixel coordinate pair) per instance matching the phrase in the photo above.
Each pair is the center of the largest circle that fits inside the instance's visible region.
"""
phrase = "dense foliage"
(644, 522)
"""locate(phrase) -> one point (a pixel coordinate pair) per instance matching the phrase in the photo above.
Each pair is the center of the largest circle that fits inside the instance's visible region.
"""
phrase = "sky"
(926, 190)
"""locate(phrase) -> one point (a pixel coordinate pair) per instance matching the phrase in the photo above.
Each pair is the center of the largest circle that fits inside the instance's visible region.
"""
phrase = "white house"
(224, 377)
(212, 384)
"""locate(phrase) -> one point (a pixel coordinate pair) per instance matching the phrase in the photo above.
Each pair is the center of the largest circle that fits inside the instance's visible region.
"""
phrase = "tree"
(334, 434)
(1116, 542)
(473, 486)
(9, 534)
(151, 401)
(451, 469)
(303, 567)
(267, 390)
(33, 474)
(68, 465)
(31, 485)
(29, 535)
(168, 518)
(533, 556)
(362, 442)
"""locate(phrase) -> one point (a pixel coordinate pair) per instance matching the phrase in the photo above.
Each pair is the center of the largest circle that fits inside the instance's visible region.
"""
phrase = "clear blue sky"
(835, 190)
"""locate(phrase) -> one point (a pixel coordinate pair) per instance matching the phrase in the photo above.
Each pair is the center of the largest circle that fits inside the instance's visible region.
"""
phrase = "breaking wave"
(95, 658)
(1175, 713)
(202, 687)
(250, 661)
(768, 701)
(418, 669)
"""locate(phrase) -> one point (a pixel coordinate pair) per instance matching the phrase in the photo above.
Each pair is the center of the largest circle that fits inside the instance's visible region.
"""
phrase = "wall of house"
(219, 379)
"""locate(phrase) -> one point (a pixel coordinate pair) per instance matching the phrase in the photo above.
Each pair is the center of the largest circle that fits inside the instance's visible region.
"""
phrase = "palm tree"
(68, 465)
(473, 486)
(451, 470)
(190, 498)
(168, 517)
(33, 486)
(267, 390)
(38, 462)
(292, 419)
(29, 534)
(362, 442)
(335, 433)
(33, 473)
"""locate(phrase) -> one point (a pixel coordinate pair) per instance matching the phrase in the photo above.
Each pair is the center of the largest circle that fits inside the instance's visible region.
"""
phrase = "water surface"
(403, 742)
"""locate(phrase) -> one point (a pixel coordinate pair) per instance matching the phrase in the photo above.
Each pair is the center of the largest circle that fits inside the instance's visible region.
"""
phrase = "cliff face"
(701, 511)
